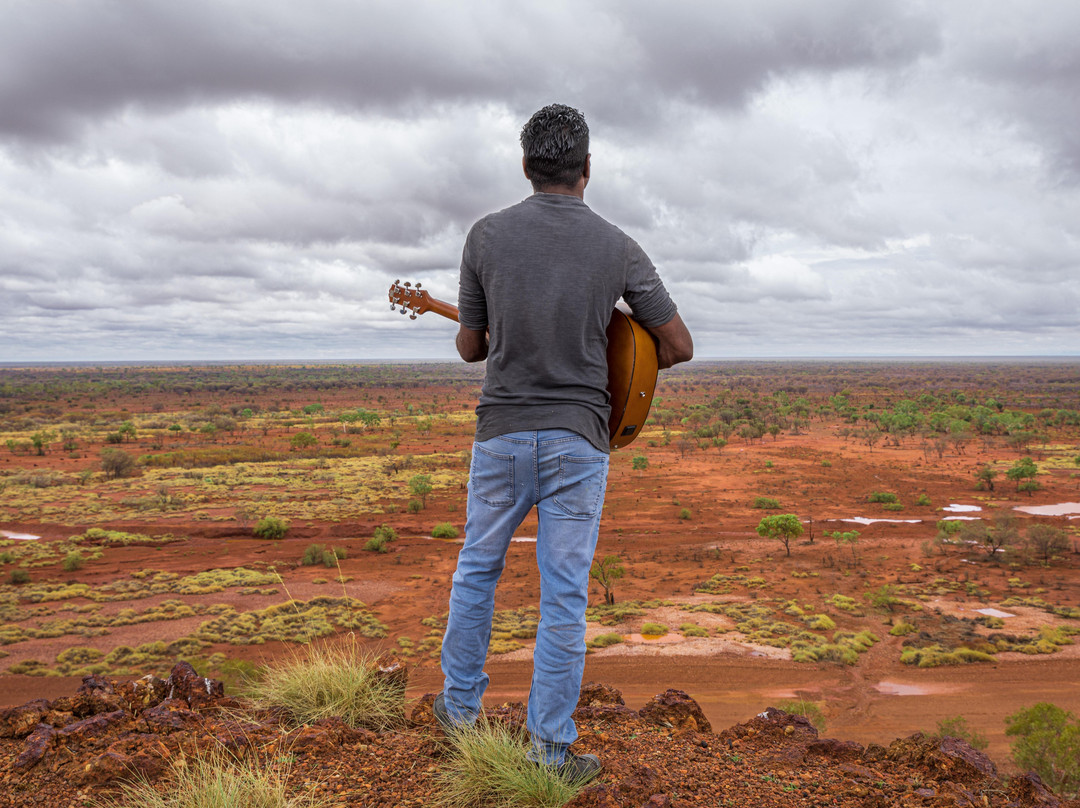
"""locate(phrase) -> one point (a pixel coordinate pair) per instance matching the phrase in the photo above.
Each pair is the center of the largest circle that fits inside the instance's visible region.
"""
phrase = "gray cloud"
(244, 180)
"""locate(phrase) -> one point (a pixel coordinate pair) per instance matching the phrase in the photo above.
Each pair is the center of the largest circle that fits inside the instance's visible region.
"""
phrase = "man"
(538, 283)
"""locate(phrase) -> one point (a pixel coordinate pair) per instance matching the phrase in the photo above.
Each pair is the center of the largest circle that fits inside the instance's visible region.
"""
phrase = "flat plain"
(936, 574)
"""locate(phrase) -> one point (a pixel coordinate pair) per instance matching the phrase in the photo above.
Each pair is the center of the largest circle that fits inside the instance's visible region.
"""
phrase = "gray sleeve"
(472, 303)
(645, 293)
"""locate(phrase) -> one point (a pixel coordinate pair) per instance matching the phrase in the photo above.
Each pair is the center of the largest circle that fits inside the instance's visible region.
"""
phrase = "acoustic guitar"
(631, 358)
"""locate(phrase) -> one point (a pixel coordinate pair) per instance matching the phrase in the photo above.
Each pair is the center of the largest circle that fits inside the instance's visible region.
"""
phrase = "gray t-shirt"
(544, 276)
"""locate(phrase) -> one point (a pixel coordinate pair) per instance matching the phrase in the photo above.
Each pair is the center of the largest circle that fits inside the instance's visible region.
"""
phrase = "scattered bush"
(684, 514)
(377, 544)
(444, 530)
(654, 630)
(883, 496)
(1048, 741)
(19, 576)
(117, 463)
(766, 503)
(693, 630)
(956, 726)
(604, 640)
(73, 561)
(270, 527)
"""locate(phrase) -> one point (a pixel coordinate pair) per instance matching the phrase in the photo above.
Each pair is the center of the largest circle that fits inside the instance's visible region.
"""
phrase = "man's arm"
(675, 343)
(472, 345)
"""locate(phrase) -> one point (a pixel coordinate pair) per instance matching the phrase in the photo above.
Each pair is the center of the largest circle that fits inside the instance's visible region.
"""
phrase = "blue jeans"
(564, 476)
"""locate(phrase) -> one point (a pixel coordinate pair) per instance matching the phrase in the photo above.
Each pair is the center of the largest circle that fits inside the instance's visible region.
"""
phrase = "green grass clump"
(886, 497)
(217, 781)
(653, 629)
(444, 530)
(766, 503)
(488, 767)
(819, 622)
(808, 709)
(933, 656)
(271, 527)
(604, 640)
(516, 624)
(327, 680)
(73, 561)
(843, 603)
(693, 630)
(902, 629)
(610, 615)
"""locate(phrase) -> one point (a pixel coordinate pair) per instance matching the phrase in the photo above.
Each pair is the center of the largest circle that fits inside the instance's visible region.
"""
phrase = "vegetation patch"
(293, 621)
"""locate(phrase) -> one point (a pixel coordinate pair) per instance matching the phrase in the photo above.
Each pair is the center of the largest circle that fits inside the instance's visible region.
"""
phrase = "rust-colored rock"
(37, 745)
(18, 722)
(594, 694)
(1029, 791)
(91, 727)
(674, 708)
(835, 750)
(184, 683)
(657, 801)
(139, 694)
(942, 758)
(596, 796)
(171, 715)
(422, 713)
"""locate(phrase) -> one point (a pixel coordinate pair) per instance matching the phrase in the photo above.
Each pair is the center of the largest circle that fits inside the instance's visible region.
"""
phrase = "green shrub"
(693, 630)
(902, 629)
(684, 514)
(444, 530)
(19, 576)
(270, 527)
(73, 561)
(1048, 741)
(883, 496)
(604, 640)
(654, 629)
(385, 533)
(892, 506)
(766, 503)
(313, 555)
(956, 726)
(923, 500)
(414, 506)
(377, 545)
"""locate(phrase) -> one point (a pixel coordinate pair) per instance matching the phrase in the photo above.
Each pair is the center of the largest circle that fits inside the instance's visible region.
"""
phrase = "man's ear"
(525, 168)
(588, 167)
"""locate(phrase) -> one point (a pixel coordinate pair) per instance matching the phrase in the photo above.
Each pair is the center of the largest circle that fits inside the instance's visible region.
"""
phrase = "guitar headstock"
(412, 300)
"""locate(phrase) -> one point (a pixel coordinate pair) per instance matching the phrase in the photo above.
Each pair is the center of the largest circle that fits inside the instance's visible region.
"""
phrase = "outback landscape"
(881, 547)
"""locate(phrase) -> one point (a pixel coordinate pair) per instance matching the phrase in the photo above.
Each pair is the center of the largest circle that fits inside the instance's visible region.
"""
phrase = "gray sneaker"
(443, 718)
(579, 769)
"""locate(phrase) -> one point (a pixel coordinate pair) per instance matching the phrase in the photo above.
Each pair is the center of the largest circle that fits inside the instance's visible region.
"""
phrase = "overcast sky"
(223, 179)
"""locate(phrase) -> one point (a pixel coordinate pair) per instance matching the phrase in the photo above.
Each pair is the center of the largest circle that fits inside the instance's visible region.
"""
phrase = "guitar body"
(631, 358)
(632, 368)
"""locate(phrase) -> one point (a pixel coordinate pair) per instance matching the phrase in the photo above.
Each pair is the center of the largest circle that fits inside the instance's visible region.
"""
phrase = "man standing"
(539, 281)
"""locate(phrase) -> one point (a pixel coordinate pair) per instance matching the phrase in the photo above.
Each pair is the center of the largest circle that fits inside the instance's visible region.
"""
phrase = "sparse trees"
(1023, 470)
(993, 537)
(985, 477)
(117, 463)
(606, 572)
(420, 485)
(782, 527)
(1048, 741)
(1046, 541)
(41, 439)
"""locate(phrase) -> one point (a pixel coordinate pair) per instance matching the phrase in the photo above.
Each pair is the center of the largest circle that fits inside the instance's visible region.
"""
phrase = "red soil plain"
(217, 449)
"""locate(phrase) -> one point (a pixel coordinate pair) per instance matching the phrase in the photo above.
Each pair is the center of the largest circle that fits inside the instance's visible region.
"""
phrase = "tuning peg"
(407, 284)
(418, 284)
(412, 316)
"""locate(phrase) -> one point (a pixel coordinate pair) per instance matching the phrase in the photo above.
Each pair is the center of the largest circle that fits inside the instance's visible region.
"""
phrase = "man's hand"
(472, 345)
(674, 342)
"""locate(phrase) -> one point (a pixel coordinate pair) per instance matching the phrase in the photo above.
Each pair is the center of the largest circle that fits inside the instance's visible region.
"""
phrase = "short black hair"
(556, 145)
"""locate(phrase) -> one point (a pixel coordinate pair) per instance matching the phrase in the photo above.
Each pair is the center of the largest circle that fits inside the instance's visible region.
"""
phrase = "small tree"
(606, 572)
(639, 463)
(270, 527)
(117, 463)
(41, 439)
(1048, 742)
(420, 485)
(303, 440)
(782, 527)
(985, 477)
(1021, 470)
(1046, 541)
(993, 537)
(850, 538)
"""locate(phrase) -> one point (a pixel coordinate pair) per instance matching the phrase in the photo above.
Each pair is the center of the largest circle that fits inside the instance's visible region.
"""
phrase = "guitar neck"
(447, 310)
(413, 300)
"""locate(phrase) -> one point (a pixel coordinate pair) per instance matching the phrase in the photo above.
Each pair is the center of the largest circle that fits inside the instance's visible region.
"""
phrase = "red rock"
(596, 796)
(170, 715)
(41, 740)
(1029, 791)
(184, 683)
(139, 694)
(594, 694)
(657, 801)
(942, 758)
(18, 722)
(93, 726)
(422, 712)
(674, 708)
(835, 750)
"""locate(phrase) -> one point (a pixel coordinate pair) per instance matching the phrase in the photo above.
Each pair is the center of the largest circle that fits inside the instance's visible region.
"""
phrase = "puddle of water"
(994, 613)
(1061, 509)
(528, 539)
(863, 520)
(961, 519)
(659, 639)
(7, 534)
(954, 508)
(898, 689)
